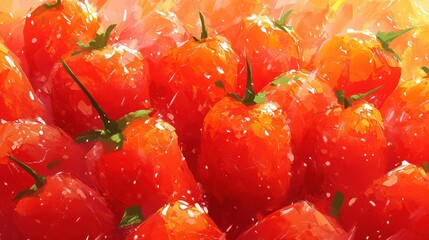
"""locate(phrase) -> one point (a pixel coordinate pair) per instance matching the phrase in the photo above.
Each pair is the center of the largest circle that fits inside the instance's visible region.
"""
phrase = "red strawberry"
(271, 48)
(51, 30)
(17, 97)
(344, 151)
(155, 34)
(305, 97)
(395, 206)
(60, 207)
(116, 75)
(49, 148)
(358, 62)
(297, 221)
(245, 150)
(176, 221)
(137, 161)
(405, 117)
(183, 86)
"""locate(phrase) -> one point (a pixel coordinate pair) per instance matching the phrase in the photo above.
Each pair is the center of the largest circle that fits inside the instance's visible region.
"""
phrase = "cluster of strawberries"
(117, 134)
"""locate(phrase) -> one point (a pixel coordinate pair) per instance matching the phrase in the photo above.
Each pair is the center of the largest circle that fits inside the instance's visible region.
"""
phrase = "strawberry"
(178, 220)
(271, 48)
(344, 151)
(358, 62)
(109, 70)
(300, 220)
(51, 30)
(305, 97)
(395, 206)
(155, 34)
(137, 161)
(245, 150)
(405, 118)
(183, 86)
(17, 97)
(52, 150)
(37, 209)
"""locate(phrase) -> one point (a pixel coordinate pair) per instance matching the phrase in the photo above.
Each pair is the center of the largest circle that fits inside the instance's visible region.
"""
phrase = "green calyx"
(425, 166)
(132, 215)
(112, 132)
(100, 41)
(337, 202)
(385, 38)
(204, 33)
(347, 102)
(40, 180)
(426, 70)
(281, 22)
(54, 5)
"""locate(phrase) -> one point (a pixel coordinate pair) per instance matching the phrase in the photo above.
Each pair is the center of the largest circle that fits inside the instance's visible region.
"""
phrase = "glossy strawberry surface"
(244, 147)
(115, 75)
(183, 87)
(269, 49)
(178, 221)
(51, 32)
(299, 221)
(344, 151)
(303, 95)
(67, 205)
(406, 114)
(46, 149)
(149, 170)
(356, 62)
(17, 97)
(395, 206)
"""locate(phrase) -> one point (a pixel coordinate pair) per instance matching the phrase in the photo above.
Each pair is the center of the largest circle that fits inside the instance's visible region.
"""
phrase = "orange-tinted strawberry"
(395, 206)
(178, 221)
(137, 161)
(17, 97)
(413, 57)
(117, 77)
(271, 48)
(51, 30)
(311, 20)
(405, 117)
(358, 62)
(245, 150)
(297, 221)
(183, 86)
(344, 151)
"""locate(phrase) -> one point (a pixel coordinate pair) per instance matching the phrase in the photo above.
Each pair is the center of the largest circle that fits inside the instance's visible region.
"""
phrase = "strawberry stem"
(111, 133)
(54, 5)
(281, 22)
(249, 93)
(347, 102)
(110, 126)
(337, 202)
(426, 70)
(204, 33)
(385, 38)
(40, 180)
